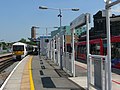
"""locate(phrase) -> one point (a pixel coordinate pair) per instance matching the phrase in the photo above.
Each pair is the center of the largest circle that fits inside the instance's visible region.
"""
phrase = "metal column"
(88, 52)
(108, 46)
(73, 54)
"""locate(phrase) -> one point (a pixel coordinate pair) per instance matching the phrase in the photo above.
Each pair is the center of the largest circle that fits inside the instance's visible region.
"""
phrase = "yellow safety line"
(30, 72)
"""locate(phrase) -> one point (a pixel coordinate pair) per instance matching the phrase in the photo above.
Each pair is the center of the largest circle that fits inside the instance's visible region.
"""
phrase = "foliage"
(28, 42)
(22, 40)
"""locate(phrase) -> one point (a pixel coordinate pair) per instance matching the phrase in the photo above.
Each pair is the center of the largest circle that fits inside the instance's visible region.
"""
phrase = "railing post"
(73, 53)
(51, 49)
(106, 73)
(98, 72)
(102, 74)
(88, 52)
(54, 50)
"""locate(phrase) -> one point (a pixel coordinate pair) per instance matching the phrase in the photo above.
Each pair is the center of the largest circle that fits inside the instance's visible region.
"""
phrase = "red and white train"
(99, 47)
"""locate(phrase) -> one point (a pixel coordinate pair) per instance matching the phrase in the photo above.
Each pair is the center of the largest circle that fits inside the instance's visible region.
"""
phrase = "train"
(98, 47)
(20, 50)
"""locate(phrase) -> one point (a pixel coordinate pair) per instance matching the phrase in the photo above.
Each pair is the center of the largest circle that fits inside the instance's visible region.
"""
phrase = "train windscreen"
(18, 48)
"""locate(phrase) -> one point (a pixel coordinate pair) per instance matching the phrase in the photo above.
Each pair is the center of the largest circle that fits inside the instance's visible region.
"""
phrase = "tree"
(22, 40)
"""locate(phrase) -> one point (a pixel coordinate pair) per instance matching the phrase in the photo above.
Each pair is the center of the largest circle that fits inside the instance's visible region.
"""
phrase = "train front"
(19, 50)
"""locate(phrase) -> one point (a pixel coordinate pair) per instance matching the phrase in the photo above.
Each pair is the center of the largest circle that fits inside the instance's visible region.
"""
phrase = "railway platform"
(35, 73)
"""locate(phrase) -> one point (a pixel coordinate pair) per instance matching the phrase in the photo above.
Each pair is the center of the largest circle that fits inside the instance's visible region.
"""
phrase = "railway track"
(5, 63)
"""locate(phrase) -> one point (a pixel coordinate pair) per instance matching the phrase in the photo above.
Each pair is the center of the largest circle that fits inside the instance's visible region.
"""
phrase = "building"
(33, 32)
(99, 29)
(43, 44)
(100, 24)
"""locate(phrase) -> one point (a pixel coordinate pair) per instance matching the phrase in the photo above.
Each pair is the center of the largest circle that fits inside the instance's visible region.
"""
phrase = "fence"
(67, 64)
(98, 72)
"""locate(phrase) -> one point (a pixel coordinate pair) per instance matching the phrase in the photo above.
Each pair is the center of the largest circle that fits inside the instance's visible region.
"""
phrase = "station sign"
(79, 21)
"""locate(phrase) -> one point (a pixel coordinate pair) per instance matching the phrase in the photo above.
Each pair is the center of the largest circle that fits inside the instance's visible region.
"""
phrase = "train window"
(18, 48)
(27, 48)
(92, 48)
(115, 50)
(118, 45)
(97, 46)
(95, 49)
(82, 49)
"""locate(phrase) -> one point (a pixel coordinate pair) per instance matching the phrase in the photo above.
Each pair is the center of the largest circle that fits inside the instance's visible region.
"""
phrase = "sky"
(18, 16)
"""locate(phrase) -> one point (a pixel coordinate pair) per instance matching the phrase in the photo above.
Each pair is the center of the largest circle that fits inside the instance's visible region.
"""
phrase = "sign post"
(88, 52)
(78, 22)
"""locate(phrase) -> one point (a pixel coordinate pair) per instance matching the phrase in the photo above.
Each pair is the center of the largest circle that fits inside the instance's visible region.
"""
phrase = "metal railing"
(98, 72)
(67, 64)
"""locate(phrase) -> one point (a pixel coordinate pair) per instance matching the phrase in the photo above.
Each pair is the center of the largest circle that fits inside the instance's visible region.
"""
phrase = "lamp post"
(108, 6)
(109, 47)
(60, 11)
(60, 15)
